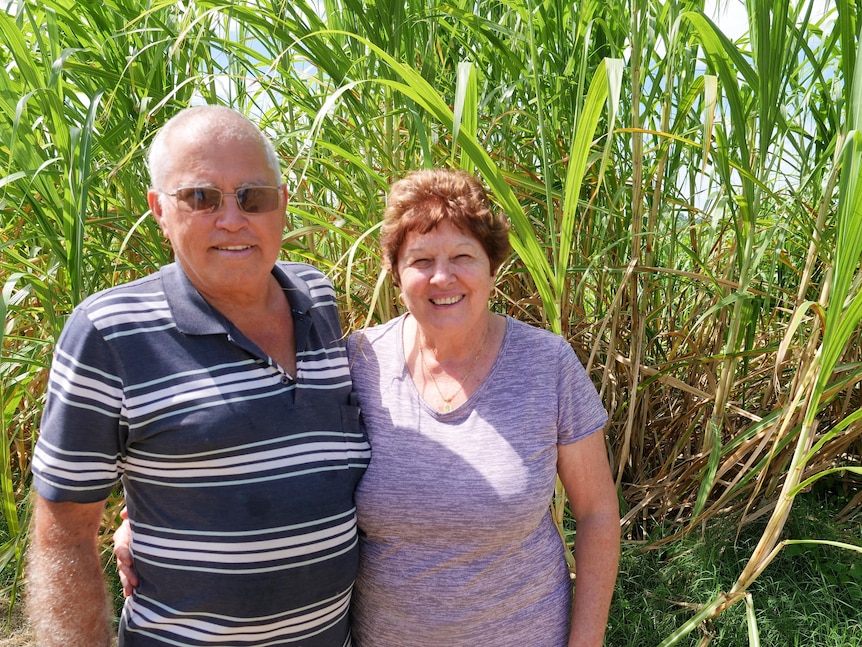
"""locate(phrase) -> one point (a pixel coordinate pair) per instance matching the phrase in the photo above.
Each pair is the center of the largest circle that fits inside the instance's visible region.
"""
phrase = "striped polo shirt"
(238, 477)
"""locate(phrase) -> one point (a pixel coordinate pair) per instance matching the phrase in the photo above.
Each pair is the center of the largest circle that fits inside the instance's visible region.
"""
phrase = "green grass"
(809, 596)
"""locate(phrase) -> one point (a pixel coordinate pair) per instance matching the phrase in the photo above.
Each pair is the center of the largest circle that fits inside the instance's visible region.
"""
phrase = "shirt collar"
(194, 316)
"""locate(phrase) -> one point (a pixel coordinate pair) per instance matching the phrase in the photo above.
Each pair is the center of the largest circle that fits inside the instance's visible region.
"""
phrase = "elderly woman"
(471, 415)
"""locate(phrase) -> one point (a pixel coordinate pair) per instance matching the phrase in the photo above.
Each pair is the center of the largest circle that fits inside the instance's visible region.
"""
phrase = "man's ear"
(155, 202)
(285, 221)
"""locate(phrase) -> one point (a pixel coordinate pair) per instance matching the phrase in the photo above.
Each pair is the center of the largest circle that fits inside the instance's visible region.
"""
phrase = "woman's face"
(446, 279)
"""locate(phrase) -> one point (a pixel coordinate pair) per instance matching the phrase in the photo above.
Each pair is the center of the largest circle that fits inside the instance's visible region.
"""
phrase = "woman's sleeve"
(580, 410)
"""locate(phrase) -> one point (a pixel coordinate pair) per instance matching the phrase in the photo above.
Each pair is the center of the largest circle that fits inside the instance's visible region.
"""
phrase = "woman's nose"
(442, 272)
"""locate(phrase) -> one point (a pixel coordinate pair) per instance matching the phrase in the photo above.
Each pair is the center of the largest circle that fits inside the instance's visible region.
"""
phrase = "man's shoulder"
(124, 307)
(302, 271)
(142, 287)
(308, 287)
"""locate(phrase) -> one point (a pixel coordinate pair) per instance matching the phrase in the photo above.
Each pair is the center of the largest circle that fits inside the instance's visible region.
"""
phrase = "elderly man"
(218, 390)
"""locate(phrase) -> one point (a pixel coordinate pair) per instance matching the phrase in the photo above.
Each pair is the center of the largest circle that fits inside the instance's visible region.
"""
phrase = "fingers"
(127, 577)
(123, 554)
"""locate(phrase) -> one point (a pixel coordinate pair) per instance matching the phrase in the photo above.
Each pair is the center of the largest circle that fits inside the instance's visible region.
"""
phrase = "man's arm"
(67, 600)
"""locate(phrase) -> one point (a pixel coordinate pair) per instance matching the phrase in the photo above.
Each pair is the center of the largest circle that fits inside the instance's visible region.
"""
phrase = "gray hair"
(220, 122)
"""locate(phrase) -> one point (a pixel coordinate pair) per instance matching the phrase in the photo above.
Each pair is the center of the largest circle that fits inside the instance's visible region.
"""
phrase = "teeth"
(447, 301)
(234, 248)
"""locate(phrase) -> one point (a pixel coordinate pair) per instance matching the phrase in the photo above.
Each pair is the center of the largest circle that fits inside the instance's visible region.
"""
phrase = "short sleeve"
(78, 453)
(580, 410)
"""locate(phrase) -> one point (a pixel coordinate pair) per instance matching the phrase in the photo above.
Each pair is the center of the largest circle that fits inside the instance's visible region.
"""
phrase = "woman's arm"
(585, 473)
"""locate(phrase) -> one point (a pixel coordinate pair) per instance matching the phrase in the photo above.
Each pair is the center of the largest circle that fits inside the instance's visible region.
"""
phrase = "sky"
(732, 19)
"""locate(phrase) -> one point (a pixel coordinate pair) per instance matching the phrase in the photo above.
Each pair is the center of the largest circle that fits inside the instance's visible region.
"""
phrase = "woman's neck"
(449, 347)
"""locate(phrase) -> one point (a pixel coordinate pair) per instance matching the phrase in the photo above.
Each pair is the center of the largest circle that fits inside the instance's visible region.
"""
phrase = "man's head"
(216, 122)
(218, 197)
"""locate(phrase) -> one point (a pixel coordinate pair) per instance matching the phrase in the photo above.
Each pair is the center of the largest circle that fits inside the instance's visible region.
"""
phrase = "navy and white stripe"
(175, 627)
(239, 480)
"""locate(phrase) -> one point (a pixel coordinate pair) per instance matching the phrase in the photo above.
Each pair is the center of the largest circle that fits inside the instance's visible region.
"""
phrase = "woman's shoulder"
(374, 336)
(536, 339)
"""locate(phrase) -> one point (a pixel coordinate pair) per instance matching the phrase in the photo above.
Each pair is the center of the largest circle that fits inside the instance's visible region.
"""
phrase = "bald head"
(218, 123)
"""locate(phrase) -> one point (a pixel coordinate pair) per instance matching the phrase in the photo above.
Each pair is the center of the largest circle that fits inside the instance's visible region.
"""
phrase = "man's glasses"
(204, 200)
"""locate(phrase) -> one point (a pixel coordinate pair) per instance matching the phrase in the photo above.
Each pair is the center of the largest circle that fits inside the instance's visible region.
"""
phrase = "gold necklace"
(447, 402)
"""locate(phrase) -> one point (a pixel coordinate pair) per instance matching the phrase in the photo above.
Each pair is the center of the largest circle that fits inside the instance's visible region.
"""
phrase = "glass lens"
(198, 199)
(206, 200)
(257, 199)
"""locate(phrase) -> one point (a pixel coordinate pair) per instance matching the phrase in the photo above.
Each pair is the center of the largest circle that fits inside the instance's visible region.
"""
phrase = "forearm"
(67, 600)
(597, 543)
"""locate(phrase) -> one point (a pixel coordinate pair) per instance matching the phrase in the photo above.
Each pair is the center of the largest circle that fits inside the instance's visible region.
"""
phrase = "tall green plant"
(841, 308)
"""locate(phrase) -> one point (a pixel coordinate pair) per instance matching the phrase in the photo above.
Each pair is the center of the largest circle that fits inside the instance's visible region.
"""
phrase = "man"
(218, 390)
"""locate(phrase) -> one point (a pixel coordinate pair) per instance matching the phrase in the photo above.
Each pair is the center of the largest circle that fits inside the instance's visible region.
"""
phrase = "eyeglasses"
(204, 200)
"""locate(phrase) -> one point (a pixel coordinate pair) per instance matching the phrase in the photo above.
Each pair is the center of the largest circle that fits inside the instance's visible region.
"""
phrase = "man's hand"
(123, 553)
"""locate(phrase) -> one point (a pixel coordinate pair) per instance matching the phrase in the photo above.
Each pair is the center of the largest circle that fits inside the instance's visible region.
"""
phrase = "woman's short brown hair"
(423, 199)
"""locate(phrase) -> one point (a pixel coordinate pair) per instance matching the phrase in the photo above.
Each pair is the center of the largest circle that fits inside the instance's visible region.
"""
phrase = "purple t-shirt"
(457, 546)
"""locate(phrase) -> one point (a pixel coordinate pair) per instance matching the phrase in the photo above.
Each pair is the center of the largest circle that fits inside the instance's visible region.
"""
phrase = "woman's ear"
(387, 266)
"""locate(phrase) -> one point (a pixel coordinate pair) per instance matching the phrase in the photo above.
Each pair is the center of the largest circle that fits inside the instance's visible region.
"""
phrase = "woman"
(471, 415)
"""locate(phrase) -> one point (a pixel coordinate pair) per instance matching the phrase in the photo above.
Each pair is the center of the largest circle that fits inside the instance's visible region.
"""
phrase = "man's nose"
(229, 215)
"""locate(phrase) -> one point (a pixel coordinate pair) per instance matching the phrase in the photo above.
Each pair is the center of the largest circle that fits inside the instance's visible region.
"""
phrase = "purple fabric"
(457, 546)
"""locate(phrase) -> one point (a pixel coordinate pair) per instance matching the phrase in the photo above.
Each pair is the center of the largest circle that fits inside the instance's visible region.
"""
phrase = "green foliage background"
(685, 208)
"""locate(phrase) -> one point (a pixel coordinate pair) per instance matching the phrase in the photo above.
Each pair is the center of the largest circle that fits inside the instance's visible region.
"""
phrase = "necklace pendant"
(447, 407)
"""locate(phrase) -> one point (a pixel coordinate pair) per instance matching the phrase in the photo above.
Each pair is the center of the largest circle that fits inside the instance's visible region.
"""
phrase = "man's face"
(228, 255)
